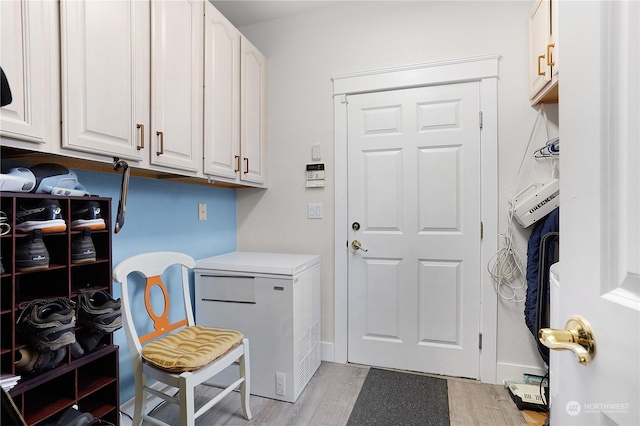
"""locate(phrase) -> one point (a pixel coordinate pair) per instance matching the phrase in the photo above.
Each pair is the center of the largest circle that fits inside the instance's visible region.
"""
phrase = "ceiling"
(243, 12)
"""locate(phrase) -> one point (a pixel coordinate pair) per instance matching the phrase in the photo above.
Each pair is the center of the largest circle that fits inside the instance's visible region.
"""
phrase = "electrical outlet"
(280, 383)
(202, 211)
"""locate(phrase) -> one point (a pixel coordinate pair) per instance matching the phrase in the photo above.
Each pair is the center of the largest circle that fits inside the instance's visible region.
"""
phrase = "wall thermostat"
(315, 175)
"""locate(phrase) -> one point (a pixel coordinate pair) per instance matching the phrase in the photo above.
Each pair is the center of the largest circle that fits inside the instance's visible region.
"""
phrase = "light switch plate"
(314, 211)
(202, 211)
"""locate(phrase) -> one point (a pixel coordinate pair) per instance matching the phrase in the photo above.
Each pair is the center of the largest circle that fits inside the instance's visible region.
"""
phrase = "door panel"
(103, 77)
(600, 206)
(414, 168)
(439, 316)
(253, 113)
(444, 192)
(222, 95)
(177, 76)
(24, 46)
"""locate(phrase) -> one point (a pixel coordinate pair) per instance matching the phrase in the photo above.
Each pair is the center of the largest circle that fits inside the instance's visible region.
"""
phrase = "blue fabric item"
(550, 223)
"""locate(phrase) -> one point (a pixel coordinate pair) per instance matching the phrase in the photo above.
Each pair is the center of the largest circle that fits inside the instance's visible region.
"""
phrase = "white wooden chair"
(153, 352)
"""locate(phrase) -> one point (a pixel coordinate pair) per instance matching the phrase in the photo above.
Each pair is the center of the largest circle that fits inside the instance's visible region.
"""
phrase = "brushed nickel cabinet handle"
(141, 144)
(161, 137)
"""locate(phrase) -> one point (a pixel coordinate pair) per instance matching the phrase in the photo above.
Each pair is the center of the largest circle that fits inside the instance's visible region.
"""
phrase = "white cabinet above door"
(105, 84)
(543, 52)
(177, 95)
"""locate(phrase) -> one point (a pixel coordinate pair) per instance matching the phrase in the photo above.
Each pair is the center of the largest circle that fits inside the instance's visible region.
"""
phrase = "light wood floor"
(330, 395)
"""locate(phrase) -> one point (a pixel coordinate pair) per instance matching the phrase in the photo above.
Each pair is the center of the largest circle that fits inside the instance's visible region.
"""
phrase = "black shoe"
(47, 324)
(43, 214)
(82, 248)
(32, 361)
(32, 255)
(98, 314)
(5, 226)
(87, 215)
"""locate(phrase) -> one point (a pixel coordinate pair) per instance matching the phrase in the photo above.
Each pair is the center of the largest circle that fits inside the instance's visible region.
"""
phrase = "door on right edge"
(599, 213)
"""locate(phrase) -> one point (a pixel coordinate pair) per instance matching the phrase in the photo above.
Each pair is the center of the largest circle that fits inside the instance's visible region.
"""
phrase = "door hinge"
(480, 341)
(480, 116)
(481, 230)
(344, 99)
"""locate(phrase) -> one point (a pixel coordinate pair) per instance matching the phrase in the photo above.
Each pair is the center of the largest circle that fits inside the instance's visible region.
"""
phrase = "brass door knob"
(356, 245)
(577, 337)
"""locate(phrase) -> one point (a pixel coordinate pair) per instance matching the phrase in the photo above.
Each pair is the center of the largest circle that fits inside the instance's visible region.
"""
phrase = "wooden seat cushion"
(191, 348)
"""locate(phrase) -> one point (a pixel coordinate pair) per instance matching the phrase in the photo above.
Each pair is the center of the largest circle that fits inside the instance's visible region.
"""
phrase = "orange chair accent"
(160, 323)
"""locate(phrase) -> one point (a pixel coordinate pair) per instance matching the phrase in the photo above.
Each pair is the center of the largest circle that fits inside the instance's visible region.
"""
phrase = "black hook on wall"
(124, 190)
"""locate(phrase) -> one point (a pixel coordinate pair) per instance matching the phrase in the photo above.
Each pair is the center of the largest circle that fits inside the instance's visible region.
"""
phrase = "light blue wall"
(163, 215)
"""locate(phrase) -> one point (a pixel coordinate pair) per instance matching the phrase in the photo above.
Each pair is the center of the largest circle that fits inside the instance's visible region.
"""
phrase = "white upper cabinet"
(253, 114)
(235, 140)
(176, 82)
(147, 81)
(221, 96)
(29, 57)
(543, 52)
(105, 84)
(132, 82)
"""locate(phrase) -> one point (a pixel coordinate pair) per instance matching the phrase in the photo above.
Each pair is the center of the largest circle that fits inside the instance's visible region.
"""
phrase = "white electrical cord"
(506, 265)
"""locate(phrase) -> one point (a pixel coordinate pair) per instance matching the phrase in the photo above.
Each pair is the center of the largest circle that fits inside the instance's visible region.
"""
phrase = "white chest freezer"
(274, 300)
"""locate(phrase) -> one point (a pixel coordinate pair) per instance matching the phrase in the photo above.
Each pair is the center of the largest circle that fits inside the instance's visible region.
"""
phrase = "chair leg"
(245, 371)
(140, 398)
(187, 402)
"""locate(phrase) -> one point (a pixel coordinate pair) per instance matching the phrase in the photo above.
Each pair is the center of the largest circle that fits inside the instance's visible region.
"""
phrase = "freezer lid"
(259, 263)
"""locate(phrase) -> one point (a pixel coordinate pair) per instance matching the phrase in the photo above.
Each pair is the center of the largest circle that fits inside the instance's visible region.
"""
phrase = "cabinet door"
(539, 71)
(29, 58)
(177, 96)
(105, 74)
(221, 96)
(253, 113)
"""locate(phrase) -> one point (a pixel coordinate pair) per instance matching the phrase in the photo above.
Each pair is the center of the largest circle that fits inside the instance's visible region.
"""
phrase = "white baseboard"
(507, 372)
(327, 350)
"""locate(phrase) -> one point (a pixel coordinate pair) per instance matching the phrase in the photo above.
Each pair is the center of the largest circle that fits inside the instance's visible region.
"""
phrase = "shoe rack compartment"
(90, 381)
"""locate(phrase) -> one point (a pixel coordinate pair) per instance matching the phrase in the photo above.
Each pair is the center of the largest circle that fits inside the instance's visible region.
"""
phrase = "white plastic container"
(536, 201)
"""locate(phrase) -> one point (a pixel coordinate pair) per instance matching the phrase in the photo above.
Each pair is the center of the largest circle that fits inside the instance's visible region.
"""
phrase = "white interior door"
(414, 191)
(600, 213)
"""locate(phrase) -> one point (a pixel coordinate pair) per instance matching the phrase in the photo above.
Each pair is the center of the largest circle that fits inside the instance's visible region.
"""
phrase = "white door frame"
(478, 68)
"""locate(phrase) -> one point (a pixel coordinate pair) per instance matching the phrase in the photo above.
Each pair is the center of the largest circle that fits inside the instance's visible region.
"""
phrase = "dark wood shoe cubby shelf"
(90, 381)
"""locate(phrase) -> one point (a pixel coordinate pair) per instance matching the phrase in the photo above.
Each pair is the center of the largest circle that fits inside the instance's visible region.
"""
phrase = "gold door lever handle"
(356, 245)
(577, 337)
